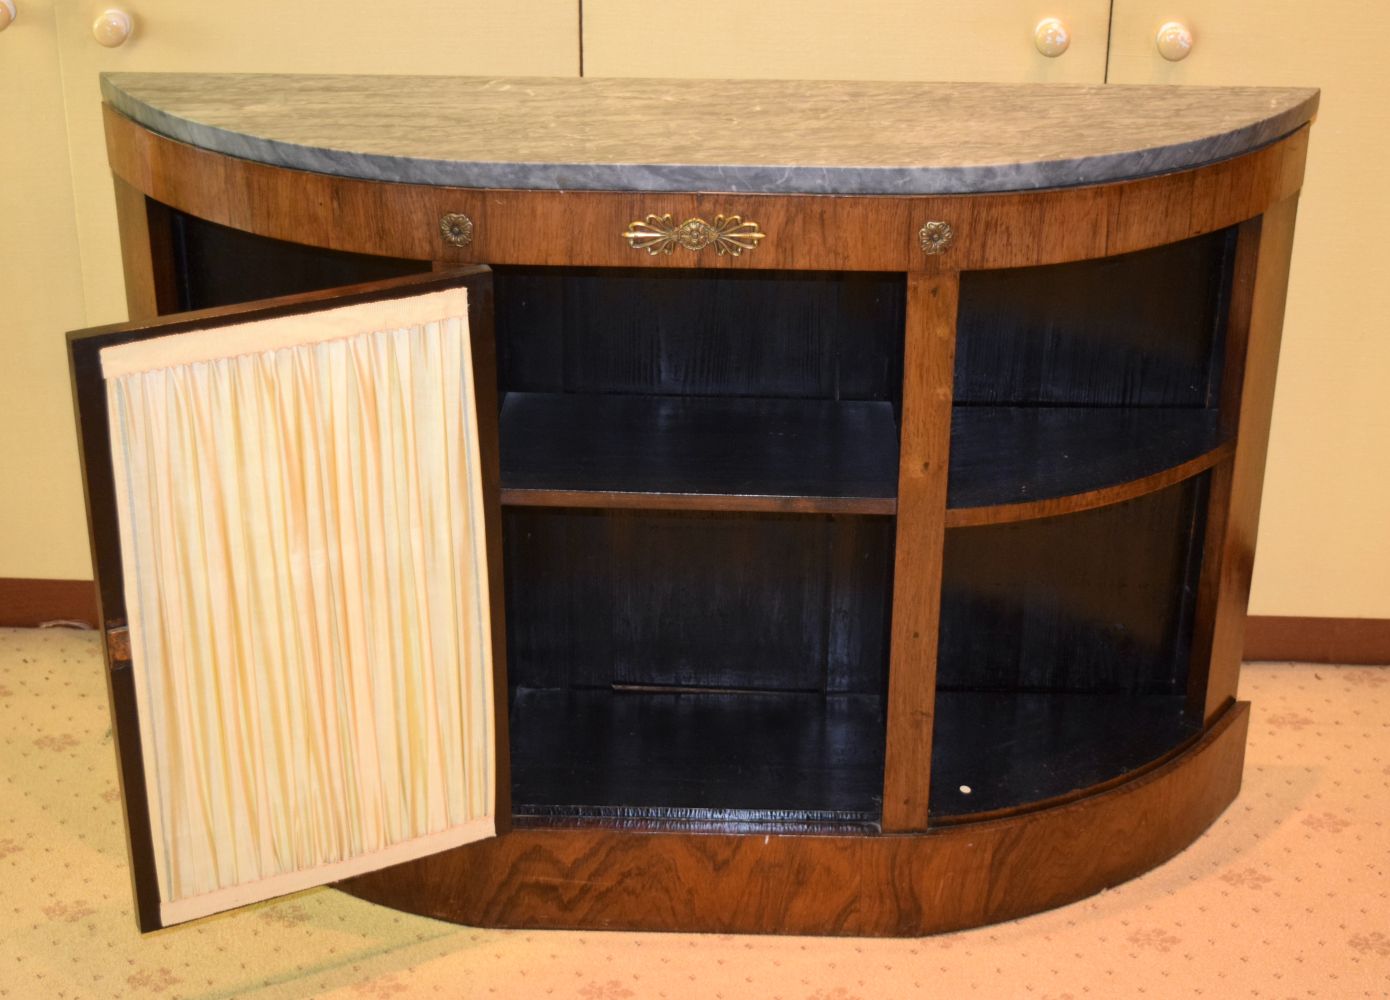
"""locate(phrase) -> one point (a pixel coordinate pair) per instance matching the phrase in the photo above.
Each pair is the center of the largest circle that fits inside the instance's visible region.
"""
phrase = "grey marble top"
(772, 136)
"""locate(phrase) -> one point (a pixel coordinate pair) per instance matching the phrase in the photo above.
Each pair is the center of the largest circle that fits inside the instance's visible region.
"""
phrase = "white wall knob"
(112, 27)
(7, 13)
(1174, 41)
(1051, 37)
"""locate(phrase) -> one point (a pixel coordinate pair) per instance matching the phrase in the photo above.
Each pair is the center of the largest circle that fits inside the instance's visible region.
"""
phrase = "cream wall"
(832, 39)
(59, 253)
(1324, 541)
(43, 531)
(1325, 523)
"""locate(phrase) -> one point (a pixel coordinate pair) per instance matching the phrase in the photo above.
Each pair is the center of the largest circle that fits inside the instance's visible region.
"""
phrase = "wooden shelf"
(698, 453)
(1013, 463)
(629, 757)
(1013, 749)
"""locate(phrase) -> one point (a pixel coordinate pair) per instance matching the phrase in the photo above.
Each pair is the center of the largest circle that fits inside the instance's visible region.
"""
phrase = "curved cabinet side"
(946, 879)
(867, 233)
(950, 876)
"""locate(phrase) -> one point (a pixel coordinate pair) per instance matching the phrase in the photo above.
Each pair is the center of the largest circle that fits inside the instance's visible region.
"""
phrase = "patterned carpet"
(1287, 896)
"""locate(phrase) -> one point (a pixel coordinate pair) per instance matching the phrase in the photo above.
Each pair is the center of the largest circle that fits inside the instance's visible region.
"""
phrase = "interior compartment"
(778, 388)
(1064, 647)
(218, 266)
(1140, 329)
(1004, 455)
(809, 454)
(686, 663)
(689, 665)
(703, 665)
(675, 332)
(1073, 377)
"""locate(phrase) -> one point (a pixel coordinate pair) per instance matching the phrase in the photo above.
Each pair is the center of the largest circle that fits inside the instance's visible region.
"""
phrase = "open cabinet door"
(295, 523)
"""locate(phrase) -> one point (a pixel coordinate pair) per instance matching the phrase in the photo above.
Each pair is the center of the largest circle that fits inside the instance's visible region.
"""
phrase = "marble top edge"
(701, 135)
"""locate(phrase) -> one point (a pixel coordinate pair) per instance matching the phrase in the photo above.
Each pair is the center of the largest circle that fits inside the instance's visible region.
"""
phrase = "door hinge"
(118, 647)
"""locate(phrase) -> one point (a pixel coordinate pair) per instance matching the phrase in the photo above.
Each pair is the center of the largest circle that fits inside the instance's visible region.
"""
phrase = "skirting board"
(27, 603)
(1317, 640)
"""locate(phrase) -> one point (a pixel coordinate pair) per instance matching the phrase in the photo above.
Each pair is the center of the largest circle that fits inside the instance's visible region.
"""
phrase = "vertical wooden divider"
(147, 253)
(928, 383)
(1258, 292)
(483, 337)
(1228, 393)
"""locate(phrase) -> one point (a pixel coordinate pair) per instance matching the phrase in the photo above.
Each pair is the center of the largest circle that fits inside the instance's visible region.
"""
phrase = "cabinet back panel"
(675, 758)
(767, 602)
(1095, 601)
(1142, 329)
(219, 266)
(817, 335)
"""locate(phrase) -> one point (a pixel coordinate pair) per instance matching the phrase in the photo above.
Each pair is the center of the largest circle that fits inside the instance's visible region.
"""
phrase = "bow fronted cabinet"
(820, 508)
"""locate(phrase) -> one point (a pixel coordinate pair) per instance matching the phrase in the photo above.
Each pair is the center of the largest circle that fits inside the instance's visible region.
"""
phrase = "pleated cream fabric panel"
(301, 516)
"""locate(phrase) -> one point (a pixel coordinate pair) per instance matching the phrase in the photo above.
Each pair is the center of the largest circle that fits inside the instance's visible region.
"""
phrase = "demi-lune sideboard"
(801, 507)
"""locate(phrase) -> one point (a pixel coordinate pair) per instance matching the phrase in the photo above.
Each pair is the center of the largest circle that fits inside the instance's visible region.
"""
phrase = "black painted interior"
(1065, 641)
(709, 665)
(1140, 329)
(729, 669)
(219, 266)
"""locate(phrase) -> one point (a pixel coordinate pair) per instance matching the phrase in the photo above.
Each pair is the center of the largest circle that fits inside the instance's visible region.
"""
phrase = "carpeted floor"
(1288, 895)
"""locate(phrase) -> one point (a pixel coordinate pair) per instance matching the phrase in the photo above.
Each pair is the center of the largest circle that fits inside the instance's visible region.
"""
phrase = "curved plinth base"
(947, 879)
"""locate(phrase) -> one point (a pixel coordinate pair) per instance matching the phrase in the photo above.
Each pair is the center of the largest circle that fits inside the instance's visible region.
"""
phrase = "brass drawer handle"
(659, 234)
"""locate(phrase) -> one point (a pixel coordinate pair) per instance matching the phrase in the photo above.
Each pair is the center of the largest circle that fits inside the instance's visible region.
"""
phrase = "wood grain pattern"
(1226, 394)
(147, 256)
(1257, 304)
(864, 233)
(924, 462)
(946, 879)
